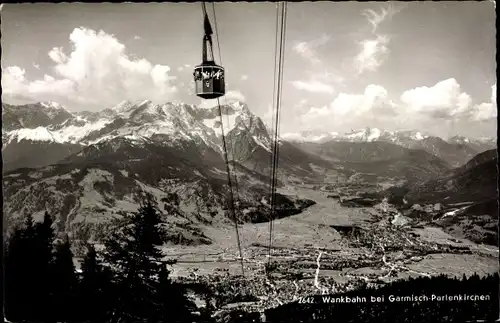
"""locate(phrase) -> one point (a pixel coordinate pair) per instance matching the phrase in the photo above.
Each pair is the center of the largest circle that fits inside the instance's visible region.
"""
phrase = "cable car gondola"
(208, 76)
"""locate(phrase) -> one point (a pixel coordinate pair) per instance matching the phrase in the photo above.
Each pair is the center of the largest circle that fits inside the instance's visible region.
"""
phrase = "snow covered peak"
(123, 106)
(474, 141)
(361, 135)
(418, 136)
(368, 134)
(145, 102)
(53, 109)
(127, 108)
(459, 139)
(37, 134)
(52, 104)
(309, 136)
(239, 106)
(487, 139)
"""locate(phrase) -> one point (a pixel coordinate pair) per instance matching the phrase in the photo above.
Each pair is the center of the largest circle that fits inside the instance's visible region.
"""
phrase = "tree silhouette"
(18, 271)
(64, 282)
(28, 271)
(43, 276)
(140, 277)
(94, 287)
(175, 306)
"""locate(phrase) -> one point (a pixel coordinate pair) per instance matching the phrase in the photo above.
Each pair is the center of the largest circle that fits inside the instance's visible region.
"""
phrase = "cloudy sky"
(424, 65)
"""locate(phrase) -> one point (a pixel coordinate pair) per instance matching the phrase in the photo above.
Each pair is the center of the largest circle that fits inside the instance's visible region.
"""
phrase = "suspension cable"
(228, 170)
(235, 175)
(273, 108)
(276, 125)
(231, 197)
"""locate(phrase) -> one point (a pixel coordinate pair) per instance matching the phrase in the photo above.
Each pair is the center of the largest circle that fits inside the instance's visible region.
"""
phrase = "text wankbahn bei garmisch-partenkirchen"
(398, 298)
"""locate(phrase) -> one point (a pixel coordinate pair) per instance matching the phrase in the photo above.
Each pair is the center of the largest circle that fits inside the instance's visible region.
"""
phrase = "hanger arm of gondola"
(208, 76)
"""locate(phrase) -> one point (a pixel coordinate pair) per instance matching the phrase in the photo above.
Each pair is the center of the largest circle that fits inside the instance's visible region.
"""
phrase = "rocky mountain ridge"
(99, 162)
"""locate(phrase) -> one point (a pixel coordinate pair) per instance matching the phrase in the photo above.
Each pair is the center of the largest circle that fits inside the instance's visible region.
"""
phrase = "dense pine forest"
(127, 280)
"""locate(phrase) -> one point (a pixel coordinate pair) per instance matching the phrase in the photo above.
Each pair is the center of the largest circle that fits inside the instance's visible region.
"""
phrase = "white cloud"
(308, 49)
(15, 73)
(443, 100)
(137, 37)
(57, 55)
(488, 110)
(372, 54)
(13, 80)
(484, 112)
(35, 65)
(374, 49)
(312, 86)
(376, 18)
(244, 77)
(373, 98)
(355, 110)
(96, 71)
(442, 109)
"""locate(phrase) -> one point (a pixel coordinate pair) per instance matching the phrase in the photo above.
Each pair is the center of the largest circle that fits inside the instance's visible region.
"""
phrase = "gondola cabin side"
(209, 80)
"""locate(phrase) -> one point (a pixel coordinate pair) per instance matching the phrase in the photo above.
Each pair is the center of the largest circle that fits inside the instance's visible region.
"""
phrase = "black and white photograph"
(223, 162)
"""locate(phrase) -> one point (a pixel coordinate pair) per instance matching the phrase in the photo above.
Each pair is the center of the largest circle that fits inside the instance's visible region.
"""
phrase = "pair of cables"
(277, 96)
(279, 52)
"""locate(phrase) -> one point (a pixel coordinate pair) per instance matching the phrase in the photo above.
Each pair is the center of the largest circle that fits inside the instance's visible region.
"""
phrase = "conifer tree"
(64, 282)
(17, 271)
(175, 306)
(94, 286)
(138, 264)
(42, 256)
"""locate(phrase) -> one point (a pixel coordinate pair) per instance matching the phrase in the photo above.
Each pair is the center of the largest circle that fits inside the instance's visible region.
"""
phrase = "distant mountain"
(32, 116)
(455, 154)
(309, 136)
(476, 181)
(357, 152)
(382, 159)
(470, 198)
(26, 140)
(479, 145)
(361, 135)
(456, 151)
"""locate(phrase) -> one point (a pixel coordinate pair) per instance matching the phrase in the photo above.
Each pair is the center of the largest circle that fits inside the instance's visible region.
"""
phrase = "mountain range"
(88, 167)
(456, 150)
(472, 191)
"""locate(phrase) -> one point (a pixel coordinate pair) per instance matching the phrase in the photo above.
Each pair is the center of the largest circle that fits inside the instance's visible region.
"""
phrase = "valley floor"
(311, 257)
